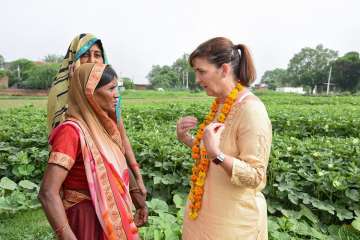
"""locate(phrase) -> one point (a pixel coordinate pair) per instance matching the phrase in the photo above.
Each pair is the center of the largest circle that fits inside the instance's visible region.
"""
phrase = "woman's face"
(208, 76)
(107, 96)
(93, 55)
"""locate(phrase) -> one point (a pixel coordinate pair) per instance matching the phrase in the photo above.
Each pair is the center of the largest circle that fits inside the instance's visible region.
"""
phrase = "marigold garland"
(199, 154)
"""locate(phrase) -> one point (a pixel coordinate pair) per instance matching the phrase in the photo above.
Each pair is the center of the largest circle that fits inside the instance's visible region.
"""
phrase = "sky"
(138, 34)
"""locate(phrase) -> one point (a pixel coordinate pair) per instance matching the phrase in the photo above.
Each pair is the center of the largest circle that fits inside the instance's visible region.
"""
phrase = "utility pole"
(328, 83)
(18, 72)
(182, 78)
(187, 80)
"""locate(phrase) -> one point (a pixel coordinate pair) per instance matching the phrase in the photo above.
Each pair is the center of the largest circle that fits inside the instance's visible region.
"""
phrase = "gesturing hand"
(211, 139)
(183, 126)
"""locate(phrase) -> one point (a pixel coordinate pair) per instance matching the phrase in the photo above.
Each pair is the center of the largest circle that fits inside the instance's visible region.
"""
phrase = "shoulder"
(251, 105)
(65, 132)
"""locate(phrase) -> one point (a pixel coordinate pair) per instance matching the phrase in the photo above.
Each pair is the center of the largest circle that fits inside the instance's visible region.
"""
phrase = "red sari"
(89, 145)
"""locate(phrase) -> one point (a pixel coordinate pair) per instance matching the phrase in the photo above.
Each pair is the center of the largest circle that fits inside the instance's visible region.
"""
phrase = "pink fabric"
(119, 188)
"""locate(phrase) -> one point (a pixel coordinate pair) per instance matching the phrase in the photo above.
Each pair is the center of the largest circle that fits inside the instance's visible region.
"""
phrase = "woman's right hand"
(184, 125)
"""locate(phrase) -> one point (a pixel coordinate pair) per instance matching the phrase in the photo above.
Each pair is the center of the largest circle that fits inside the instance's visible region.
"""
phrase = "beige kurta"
(234, 207)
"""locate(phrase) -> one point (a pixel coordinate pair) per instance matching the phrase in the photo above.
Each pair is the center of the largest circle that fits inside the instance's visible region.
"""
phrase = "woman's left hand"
(211, 139)
(141, 216)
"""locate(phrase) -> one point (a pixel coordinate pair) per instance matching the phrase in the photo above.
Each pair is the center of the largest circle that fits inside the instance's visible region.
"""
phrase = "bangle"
(59, 231)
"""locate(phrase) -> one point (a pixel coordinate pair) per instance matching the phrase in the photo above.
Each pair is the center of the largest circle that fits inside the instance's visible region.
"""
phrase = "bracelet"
(59, 231)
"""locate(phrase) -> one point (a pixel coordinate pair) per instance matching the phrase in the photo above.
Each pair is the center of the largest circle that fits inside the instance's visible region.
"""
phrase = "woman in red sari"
(85, 189)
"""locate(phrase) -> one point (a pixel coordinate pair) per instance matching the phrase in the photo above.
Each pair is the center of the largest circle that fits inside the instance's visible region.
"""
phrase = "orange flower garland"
(199, 154)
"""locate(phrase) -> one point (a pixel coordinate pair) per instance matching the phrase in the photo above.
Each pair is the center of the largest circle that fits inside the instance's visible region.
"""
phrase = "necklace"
(199, 154)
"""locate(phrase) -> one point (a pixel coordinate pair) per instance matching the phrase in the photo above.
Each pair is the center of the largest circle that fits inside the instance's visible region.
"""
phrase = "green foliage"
(313, 174)
(163, 77)
(24, 73)
(310, 66)
(164, 221)
(19, 71)
(346, 72)
(41, 76)
(2, 61)
(26, 225)
(15, 197)
(275, 78)
(3, 73)
(179, 75)
(128, 83)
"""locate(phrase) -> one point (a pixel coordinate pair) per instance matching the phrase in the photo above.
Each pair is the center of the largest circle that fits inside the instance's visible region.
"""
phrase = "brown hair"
(221, 50)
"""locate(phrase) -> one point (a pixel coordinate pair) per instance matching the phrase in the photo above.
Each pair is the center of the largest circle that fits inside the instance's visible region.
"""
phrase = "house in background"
(298, 90)
(142, 86)
(261, 86)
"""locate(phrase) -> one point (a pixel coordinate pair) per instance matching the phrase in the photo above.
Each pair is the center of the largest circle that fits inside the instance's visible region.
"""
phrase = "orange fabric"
(72, 198)
(103, 154)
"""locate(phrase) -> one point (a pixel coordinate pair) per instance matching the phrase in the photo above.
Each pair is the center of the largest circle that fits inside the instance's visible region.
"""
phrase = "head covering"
(57, 100)
(102, 150)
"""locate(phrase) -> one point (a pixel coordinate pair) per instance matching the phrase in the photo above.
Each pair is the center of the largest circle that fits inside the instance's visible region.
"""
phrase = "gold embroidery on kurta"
(61, 159)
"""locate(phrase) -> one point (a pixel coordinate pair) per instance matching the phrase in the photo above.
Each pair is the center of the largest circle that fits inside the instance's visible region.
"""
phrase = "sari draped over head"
(58, 95)
(103, 154)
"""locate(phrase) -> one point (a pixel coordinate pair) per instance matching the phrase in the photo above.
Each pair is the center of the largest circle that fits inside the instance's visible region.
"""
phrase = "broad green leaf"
(343, 213)
(170, 234)
(178, 200)
(158, 205)
(27, 184)
(356, 223)
(7, 184)
(308, 214)
(353, 194)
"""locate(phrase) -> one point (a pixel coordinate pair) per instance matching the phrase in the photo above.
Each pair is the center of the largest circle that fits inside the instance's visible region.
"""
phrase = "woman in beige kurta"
(232, 205)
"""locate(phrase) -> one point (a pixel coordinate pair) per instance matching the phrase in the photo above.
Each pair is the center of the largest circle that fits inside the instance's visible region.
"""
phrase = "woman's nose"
(91, 59)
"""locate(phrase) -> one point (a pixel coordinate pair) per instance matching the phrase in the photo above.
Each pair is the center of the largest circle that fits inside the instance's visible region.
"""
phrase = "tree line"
(311, 68)
(27, 74)
(24, 73)
(316, 68)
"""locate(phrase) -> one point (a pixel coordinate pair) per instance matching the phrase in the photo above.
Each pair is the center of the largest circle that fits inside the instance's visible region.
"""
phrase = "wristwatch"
(219, 158)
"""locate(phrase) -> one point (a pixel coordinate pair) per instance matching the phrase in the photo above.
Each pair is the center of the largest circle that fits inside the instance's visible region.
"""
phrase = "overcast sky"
(139, 34)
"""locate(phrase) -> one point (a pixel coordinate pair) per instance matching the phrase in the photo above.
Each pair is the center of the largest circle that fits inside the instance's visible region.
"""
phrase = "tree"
(275, 78)
(178, 75)
(346, 72)
(310, 66)
(128, 83)
(19, 70)
(41, 76)
(163, 77)
(2, 61)
(186, 75)
(53, 58)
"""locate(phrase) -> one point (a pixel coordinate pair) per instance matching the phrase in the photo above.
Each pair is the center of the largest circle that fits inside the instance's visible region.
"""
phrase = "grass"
(27, 225)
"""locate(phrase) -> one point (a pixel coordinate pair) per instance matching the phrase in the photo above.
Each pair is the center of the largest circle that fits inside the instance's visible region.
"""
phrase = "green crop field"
(313, 189)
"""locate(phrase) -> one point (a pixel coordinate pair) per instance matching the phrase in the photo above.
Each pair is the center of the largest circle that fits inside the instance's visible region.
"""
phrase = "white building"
(298, 90)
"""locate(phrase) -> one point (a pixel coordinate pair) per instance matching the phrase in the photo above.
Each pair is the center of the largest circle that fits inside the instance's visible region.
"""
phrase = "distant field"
(131, 97)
